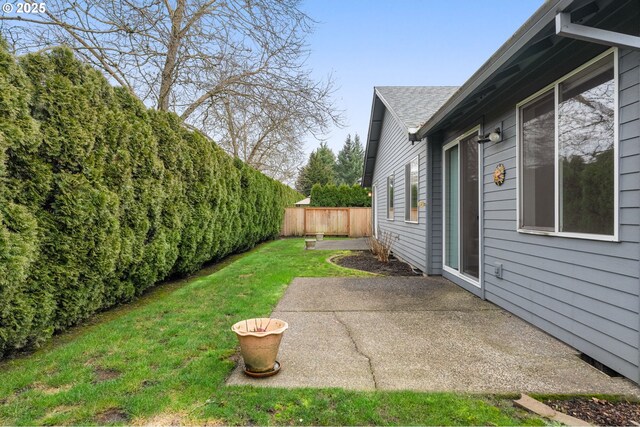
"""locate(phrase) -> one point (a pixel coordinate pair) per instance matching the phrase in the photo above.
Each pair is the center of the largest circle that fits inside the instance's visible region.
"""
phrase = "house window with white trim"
(411, 191)
(390, 197)
(567, 146)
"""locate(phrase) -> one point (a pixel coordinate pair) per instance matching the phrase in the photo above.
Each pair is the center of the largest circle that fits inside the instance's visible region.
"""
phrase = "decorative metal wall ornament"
(499, 174)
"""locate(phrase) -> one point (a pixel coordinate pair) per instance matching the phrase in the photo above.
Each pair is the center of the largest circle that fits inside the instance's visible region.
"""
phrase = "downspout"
(638, 378)
(481, 212)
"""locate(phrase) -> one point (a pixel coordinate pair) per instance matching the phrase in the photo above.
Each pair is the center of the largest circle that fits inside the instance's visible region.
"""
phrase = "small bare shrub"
(381, 247)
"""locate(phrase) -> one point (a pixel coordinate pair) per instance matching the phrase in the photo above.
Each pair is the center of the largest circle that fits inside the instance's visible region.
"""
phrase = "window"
(390, 197)
(411, 191)
(567, 148)
(538, 171)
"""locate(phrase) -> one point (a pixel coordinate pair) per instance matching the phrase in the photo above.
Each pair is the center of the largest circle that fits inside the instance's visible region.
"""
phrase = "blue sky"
(367, 43)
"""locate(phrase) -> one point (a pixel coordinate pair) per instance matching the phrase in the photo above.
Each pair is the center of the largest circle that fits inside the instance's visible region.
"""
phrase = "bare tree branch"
(233, 69)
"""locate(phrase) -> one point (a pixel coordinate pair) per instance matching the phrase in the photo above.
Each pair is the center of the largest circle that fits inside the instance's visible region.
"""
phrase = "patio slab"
(416, 333)
(356, 244)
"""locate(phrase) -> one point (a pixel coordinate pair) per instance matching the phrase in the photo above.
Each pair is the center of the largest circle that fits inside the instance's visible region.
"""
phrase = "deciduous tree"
(234, 69)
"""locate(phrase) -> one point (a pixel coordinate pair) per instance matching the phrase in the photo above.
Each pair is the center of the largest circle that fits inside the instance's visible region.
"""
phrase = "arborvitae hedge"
(101, 198)
(342, 196)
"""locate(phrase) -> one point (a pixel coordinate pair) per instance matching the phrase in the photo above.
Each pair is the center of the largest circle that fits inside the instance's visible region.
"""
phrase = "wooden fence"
(352, 222)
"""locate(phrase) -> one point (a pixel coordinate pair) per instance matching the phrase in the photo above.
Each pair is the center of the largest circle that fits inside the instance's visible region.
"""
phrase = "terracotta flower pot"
(319, 236)
(310, 244)
(259, 342)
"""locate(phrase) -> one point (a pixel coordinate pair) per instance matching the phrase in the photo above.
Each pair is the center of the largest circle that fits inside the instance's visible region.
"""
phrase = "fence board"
(360, 222)
(293, 224)
(352, 222)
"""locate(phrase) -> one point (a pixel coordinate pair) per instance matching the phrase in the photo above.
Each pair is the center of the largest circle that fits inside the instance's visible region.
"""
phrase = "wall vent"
(599, 366)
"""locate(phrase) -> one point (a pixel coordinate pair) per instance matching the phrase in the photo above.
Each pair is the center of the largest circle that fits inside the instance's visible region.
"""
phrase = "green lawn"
(165, 358)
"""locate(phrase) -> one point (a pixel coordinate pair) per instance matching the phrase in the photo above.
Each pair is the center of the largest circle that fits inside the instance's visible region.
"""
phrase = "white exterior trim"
(616, 154)
(374, 207)
(391, 199)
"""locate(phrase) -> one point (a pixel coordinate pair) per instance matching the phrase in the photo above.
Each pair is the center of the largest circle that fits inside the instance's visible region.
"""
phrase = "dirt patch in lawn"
(105, 374)
(175, 419)
(113, 415)
(599, 411)
(365, 261)
(52, 416)
(51, 390)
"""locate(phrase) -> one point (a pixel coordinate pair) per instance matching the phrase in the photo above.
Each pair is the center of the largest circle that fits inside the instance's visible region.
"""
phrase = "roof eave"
(391, 110)
(367, 148)
(542, 17)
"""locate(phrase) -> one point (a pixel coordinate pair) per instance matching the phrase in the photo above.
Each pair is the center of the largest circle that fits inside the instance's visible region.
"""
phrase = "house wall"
(394, 152)
(434, 207)
(585, 292)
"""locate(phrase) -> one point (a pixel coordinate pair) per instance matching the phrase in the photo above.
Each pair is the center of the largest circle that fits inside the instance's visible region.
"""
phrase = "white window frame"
(616, 178)
(374, 207)
(407, 191)
(391, 200)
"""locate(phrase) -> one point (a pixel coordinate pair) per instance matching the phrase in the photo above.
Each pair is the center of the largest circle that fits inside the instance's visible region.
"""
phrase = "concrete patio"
(397, 333)
(355, 244)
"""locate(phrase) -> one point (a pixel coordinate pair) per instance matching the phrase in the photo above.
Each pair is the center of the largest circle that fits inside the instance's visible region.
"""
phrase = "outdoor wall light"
(495, 136)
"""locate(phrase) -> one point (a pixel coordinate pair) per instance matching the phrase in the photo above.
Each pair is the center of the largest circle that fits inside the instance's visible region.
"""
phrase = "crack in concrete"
(358, 350)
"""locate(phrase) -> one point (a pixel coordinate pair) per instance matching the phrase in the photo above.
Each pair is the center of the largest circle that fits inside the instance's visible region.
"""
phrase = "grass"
(165, 358)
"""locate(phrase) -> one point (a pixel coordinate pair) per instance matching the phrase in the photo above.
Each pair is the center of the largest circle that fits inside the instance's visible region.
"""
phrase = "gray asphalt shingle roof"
(411, 106)
(414, 105)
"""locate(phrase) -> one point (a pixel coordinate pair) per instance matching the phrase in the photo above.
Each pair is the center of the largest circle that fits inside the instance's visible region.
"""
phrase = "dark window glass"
(538, 156)
(390, 198)
(411, 191)
(470, 223)
(585, 147)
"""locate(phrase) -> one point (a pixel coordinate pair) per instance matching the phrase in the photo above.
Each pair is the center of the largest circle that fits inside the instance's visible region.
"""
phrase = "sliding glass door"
(461, 203)
(452, 202)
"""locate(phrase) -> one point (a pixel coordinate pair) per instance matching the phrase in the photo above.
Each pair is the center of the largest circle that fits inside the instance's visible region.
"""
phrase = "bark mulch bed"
(599, 411)
(364, 260)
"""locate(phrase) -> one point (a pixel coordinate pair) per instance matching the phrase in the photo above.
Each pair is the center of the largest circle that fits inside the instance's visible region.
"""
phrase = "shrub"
(342, 196)
(102, 198)
(381, 247)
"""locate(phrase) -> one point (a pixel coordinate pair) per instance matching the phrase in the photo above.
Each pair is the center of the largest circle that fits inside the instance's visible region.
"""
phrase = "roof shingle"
(414, 105)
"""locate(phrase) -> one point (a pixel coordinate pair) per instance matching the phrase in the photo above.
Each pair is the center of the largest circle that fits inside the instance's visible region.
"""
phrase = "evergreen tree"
(319, 170)
(350, 161)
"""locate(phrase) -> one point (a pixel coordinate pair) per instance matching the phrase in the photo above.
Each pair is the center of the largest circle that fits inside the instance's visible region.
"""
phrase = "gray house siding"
(585, 292)
(434, 208)
(394, 152)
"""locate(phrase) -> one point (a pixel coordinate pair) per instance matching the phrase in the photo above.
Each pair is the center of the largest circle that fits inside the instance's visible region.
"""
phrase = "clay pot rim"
(236, 327)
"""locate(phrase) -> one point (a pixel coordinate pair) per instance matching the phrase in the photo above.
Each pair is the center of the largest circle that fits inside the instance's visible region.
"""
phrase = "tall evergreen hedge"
(342, 196)
(101, 198)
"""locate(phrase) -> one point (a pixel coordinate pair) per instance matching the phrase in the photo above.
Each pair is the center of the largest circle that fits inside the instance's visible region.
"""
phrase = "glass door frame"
(458, 272)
